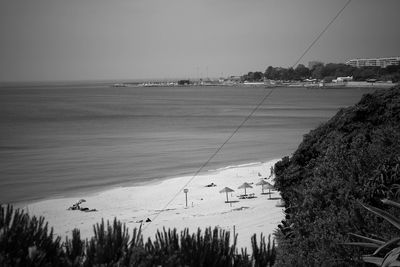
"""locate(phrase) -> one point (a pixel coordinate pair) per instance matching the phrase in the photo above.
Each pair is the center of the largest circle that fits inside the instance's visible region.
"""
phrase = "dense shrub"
(74, 249)
(385, 252)
(353, 157)
(26, 241)
(264, 254)
(109, 245)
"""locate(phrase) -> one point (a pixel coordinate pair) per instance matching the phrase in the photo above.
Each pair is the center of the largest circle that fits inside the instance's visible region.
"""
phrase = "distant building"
(382, 62)
(234, 79)
(343, 79)
(312, 64)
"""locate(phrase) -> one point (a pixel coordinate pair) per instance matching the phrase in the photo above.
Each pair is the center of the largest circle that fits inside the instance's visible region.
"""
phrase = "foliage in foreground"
(26, 241)
(354, 157)
(386, 252)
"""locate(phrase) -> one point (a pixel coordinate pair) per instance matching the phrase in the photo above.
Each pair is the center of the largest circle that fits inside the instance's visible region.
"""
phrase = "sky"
(58, 40)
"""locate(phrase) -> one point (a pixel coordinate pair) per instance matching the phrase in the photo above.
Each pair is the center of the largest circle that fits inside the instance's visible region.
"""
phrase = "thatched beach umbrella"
(245, 185)
(262, 183)
(267, 185)
(226, 190)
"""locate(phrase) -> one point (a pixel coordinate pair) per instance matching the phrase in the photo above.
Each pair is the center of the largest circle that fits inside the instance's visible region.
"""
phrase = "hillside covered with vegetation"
(352, 159)
(326, 72)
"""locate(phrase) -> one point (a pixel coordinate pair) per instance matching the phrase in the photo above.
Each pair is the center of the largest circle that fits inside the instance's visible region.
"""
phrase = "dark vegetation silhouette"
(352, 158)
(327, 71)
(27, 241)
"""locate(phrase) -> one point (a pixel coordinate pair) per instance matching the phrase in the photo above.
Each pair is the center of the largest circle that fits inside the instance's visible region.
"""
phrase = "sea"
(63, 139)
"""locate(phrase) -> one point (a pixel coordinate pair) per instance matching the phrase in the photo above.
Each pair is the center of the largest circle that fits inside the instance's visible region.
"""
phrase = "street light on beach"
(186, 191)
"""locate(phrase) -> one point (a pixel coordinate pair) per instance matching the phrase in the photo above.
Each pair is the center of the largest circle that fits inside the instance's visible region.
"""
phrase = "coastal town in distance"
(365, 72)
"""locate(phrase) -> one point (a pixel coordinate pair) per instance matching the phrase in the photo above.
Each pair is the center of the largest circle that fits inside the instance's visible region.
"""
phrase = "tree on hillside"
(344, 70)
(253, 76)
(289, 74)
(258, 76)
(365, 73)
(301, 72)
(317, 71)
(271, 73)
(327, 72)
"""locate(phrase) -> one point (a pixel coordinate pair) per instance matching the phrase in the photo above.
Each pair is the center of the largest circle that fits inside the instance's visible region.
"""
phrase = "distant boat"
(119, 85)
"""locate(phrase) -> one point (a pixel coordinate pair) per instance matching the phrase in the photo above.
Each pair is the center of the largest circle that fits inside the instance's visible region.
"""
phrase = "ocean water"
(59, 140)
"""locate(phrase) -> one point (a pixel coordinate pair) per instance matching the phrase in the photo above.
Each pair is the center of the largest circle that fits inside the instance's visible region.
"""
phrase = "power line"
(321, 33)
(247, 118)
(213, 155)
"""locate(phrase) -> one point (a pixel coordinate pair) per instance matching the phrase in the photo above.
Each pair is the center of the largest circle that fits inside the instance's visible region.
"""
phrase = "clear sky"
(47, 40)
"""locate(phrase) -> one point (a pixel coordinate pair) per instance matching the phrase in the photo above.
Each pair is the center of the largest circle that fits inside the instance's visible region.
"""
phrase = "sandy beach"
(164, 203)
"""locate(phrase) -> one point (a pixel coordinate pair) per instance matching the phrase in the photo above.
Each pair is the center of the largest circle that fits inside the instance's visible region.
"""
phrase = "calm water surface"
(55, 141)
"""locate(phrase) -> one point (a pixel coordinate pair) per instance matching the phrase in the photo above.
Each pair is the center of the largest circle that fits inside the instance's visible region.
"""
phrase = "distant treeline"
(326, 72)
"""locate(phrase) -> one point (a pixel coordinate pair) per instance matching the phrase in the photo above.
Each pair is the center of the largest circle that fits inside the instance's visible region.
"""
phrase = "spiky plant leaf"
(362, 244)
(385, 215)
(375, 241)
(391, 203)
(387, 244)
(391, 258)
(374, 260)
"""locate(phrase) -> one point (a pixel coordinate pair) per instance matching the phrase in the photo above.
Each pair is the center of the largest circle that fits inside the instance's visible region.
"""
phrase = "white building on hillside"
(382, 62)
(343, 79)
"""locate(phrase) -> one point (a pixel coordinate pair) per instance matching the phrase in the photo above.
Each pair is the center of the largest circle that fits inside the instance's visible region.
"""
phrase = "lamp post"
(186, 191)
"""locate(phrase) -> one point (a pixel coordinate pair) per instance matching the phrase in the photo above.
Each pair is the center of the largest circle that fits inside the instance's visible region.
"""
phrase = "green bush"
(74, 249)
(109, 244)
(26, 241)
(353, 157)
(265, 254)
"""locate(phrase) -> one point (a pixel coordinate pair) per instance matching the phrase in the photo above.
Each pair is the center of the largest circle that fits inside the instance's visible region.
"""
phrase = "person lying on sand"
(77, 207)
(87, 210)
(141, 221)
(74, 207)
(252, 195)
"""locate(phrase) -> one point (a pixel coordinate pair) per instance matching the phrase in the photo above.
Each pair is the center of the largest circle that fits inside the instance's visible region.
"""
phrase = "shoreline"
(90, 191)
(206, 206)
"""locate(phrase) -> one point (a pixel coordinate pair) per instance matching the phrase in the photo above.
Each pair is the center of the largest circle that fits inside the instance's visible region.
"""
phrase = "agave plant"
(386, 252)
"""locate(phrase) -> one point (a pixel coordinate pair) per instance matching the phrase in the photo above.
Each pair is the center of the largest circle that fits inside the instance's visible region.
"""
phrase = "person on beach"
(272, 172)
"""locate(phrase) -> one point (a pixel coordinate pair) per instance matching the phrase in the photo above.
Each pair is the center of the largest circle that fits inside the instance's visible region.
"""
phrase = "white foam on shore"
(236, 166)
(206, 206)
